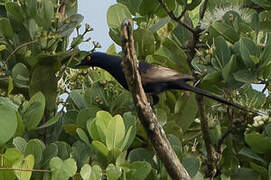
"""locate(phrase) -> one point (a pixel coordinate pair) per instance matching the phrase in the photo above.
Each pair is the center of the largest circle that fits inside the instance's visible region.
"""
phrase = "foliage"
(81, 124)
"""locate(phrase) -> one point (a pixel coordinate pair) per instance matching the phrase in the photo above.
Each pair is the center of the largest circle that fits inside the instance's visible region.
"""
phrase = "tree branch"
(211, 153)
(175, 18)
(155, 132)
(203, 10)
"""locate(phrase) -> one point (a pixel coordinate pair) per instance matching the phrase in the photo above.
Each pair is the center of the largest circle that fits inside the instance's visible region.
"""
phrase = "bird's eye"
(88, 58)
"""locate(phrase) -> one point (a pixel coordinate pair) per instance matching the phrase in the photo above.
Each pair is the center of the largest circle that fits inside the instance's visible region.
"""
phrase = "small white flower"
(218, 13)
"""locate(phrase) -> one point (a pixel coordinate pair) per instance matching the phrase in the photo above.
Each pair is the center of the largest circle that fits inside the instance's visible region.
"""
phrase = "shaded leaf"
(8, 123)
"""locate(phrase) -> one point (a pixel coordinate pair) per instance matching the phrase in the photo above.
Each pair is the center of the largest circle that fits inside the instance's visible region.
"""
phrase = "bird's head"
(89, 60)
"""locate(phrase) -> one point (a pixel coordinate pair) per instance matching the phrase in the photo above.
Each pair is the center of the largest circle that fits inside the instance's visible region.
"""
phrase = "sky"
(94, 12)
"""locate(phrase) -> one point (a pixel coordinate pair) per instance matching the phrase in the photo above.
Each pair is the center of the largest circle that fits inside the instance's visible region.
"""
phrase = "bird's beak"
(78, 64)
(82, 64)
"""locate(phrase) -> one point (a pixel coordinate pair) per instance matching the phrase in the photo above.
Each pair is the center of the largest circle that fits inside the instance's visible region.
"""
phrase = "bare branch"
(155, 132)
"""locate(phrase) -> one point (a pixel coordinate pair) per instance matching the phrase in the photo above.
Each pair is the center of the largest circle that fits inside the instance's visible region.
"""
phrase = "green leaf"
(258, 143)
(33, 28)
(10, 85)
(6, 29)
(138, 170)
(266, 55)
(19, 143)
(99, 146)
(130, 130)
(160, 12)
(64, 149)
(36, 148)
(229, 69)
(222, 51)
(91, 173)
(31, 8)
(62, 169)
(263, 3)
(50, 122)
(187, 109)
(93, 130)
(192, 165)
(8, 123)
(77, 99)
(226, 31)
(251, 97)
(81, 153)
(115, 132)
(141, 155)
(20, 125)
(175, 54)
(101, 122)
(83, 136)
(20, 75)
(148, 7)
(116, 14)
(113, 172)
(133, 5)
(34, 112)
(192, 5)
(176, 144)
(7, 102)
(44, 79)
(260, 169)
(46, 14)
(144, 43)
(247, 49)
(111, 50)
(85, 114)
(244, 173)
(9, 158)
(245, 76)
(115, 35)
(16, 11)
(250, 154)
(113, 155)
(50, 151)
(67, 28)
(24, 163)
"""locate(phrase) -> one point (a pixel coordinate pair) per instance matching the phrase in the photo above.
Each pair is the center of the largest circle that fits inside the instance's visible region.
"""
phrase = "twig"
(211, 153)
(220, 142)
(175, 18)
(32, 170)
(203, 9)
(148, 119)
(15, 50)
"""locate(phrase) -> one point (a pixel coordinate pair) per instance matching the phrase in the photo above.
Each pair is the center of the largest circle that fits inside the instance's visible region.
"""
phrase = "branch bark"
(212, 155)
(155, 132)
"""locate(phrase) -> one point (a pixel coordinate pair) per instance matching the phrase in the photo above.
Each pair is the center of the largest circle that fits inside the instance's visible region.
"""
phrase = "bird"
(155, 78)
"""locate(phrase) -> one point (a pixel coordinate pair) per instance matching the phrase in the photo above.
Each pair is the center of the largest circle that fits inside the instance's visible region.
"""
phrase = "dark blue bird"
(155, 78)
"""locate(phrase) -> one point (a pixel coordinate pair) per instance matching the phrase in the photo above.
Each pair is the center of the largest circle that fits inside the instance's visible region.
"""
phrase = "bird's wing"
(154, 73)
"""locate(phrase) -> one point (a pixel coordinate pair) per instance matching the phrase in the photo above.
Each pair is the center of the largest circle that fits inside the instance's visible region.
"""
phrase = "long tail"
(186, 86)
